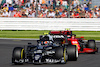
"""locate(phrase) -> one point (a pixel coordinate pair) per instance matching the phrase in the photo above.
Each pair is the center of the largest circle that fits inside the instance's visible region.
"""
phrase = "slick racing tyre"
(60, 53)
(72, 52)
(91, 44)
(18, 55)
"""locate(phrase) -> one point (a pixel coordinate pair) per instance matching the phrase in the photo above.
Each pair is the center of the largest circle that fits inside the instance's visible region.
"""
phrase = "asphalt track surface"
(6, 47)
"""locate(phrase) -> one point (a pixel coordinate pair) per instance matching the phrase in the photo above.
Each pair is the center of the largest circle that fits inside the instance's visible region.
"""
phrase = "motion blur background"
(78, 15)
(50, 8)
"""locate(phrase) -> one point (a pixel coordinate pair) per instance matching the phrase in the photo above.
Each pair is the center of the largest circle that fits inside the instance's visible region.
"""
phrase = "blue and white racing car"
(45, 51)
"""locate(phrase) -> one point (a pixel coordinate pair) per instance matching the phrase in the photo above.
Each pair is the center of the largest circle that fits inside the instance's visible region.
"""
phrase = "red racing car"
(70, 39)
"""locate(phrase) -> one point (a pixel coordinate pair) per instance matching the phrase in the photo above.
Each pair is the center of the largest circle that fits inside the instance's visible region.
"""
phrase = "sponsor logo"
(58, 36)
(38, 51)
(74, 42)
(49, 52)
(52, 60)
(37, 57)
(49, 48)
(19, 61)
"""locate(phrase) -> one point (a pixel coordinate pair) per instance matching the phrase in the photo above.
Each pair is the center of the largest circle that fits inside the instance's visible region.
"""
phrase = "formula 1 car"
(46, 51)
(68, 37)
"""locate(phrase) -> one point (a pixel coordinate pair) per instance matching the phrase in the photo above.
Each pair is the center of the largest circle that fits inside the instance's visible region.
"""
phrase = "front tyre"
(91, 44)
(72, 52)
(60, 53)
(18, 55)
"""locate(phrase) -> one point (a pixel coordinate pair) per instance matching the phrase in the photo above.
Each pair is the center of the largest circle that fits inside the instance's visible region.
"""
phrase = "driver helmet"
(45, 43)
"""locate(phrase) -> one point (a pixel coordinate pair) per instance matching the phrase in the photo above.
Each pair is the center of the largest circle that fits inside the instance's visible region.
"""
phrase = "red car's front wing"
(88, 50)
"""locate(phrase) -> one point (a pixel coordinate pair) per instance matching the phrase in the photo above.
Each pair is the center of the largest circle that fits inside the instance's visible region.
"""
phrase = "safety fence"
(74, 24)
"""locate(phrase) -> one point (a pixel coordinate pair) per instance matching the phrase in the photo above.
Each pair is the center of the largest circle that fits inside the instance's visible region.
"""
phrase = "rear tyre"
(72, 52)
(18, 55)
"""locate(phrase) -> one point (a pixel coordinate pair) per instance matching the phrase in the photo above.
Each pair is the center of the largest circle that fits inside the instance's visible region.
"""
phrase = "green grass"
(88, 34)
(35, 34)
(21, 34)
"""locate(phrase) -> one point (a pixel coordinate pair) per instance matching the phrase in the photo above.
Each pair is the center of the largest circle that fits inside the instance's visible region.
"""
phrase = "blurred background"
(50, 8)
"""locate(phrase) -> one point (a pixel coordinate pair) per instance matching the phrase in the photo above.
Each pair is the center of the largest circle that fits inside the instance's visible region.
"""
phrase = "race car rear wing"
(60, 32)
